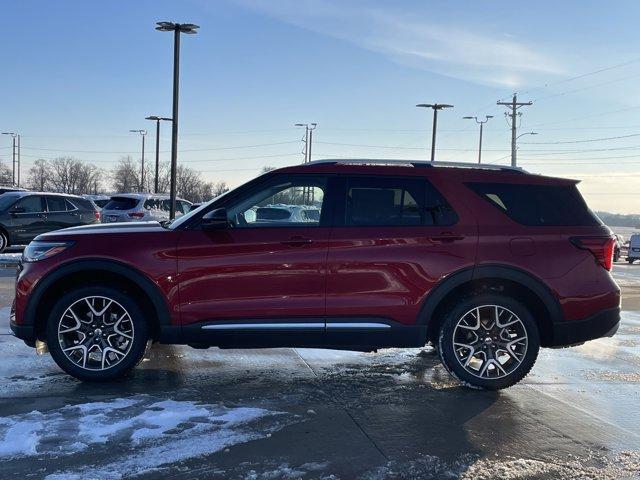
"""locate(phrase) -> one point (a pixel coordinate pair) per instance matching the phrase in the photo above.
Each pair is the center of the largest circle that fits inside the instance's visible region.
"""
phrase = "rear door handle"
(446, 237)
(297, 241)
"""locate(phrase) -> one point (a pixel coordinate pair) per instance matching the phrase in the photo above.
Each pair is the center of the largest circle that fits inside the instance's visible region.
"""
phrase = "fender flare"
(148, 287)
(502, 272)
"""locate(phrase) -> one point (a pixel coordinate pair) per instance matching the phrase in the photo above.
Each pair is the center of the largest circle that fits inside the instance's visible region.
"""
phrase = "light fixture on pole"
(308, 139)
(14, 136)
(481, 122)
(435, 107)
(157, 120)
(177, 29)
(514, 163)
(142, 133)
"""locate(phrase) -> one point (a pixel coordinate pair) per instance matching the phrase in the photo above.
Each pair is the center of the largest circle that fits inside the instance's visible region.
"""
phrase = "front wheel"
(488, 341)
(96, 333)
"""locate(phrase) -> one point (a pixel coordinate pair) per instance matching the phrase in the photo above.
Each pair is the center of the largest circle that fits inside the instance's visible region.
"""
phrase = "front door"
(266, 271)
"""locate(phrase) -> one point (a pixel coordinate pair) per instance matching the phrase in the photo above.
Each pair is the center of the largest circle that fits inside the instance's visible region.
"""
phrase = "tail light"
(97, 214)
(601, 248)
(136, 214)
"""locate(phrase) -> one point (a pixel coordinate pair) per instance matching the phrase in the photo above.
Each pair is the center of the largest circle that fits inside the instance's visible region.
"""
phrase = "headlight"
(36, 251)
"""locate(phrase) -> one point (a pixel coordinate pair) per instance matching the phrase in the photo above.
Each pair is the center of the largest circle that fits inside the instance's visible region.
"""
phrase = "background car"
(287, 213)
(141, 207)
(618, 246)
(99, 200)
(25, 215)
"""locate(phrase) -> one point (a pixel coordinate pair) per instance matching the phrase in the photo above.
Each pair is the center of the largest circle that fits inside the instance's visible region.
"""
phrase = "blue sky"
(78, 75)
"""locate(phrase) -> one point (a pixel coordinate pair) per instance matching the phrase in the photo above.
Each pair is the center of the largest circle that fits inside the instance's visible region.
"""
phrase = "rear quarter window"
(538, 205)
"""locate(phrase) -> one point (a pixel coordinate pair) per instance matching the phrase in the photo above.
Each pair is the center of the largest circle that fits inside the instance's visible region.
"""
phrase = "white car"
(141, 207)
(286, 213)
(634, 248)
(99, 200)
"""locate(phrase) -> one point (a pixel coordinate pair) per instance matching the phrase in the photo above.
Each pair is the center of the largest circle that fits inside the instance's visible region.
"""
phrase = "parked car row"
(25, 214)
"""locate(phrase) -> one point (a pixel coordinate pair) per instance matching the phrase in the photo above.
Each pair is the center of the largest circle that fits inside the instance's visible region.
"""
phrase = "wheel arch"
(511, 281)
(109, 273)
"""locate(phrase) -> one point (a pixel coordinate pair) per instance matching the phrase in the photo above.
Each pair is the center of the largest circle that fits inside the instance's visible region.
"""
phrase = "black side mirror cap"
(215, 219)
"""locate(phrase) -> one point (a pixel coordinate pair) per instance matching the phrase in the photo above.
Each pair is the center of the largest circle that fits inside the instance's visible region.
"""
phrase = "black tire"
(4, 241)
(630, 261)
(453, 361)
(616, 255)
(126, 361)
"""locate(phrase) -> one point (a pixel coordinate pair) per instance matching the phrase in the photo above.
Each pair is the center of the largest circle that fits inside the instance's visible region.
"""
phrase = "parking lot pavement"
(301, 413)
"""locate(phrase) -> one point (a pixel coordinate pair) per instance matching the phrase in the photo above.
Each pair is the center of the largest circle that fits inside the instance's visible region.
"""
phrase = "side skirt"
(358, 334)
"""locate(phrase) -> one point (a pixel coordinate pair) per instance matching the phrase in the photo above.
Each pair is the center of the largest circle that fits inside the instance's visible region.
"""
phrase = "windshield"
(6, 200)
(173, 224)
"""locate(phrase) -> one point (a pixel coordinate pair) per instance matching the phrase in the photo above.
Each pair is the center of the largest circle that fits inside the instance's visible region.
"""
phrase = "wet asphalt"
(332, 415)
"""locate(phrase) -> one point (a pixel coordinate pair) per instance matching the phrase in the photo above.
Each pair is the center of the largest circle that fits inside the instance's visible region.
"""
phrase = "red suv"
(488, 263)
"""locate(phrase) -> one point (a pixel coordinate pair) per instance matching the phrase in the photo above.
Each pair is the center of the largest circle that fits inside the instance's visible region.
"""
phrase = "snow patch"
(147, 432)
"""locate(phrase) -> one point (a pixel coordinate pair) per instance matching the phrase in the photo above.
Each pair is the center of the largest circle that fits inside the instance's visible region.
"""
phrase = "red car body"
(189, 278)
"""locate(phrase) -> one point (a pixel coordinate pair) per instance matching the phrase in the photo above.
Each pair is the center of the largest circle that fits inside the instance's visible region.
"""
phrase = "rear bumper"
(23, 332)
(602, 324)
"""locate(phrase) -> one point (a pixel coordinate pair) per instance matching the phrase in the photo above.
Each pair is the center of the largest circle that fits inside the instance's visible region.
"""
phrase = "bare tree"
(266, 169)
(39, 176)
(219, 188)
(125, 176)
(70, 175)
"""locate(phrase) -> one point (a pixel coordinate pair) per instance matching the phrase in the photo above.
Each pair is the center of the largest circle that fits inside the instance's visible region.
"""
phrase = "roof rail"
(414, 163)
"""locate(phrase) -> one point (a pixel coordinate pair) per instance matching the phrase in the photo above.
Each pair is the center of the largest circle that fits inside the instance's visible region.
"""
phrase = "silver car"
(141, 207)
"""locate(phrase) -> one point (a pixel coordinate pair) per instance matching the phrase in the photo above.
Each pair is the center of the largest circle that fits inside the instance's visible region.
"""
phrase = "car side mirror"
(17, 210)
(215, 219)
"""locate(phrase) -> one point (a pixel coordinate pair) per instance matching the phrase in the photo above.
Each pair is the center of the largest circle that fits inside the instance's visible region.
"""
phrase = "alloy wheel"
(490, 341)
(95, 333)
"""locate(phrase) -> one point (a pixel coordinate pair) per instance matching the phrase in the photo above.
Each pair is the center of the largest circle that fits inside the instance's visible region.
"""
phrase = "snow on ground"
(148, 433)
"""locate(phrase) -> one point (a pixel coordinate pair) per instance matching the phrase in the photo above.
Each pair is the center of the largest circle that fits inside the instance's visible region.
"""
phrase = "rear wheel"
(96, 333)
(630, 260)
(489, 341)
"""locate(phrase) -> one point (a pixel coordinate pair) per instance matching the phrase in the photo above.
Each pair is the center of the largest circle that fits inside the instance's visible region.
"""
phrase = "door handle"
(297, 241)
(446, 237)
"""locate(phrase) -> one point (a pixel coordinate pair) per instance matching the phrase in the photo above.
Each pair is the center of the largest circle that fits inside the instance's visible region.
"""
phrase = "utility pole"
(307, 140)
(435, 107)
(481, 122)
(19, 160)
(13, 158)
(514, 105)
(142, 133)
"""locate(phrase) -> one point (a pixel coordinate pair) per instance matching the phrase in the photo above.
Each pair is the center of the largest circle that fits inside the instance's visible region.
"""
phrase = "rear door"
(58, 214)
(394, 239)
(28, 218)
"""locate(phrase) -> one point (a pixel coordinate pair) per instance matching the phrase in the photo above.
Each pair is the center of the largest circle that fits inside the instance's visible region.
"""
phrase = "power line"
(582, 141)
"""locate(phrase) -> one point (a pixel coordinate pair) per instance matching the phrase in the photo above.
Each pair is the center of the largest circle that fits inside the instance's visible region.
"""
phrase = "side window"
(32, 204)
(438, 211)
(56, 204)
(183, 207)
(379, 201)
(71, 206)
(284, 201)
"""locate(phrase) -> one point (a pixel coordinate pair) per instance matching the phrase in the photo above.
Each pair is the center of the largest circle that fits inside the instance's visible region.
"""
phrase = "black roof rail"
(415, 163)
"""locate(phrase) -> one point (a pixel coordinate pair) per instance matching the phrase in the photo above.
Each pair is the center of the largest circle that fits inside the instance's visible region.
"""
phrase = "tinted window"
(31, 204)
(281, 202)
(101, 203)
(438, 211)
(56, 204)
(538, 205)
(121, 203)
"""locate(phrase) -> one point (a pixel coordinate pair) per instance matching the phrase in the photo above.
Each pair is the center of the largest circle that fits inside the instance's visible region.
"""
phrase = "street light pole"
(435, 107)
(157, 120)
(513, 156)
(177, 29)
(13, 158)
(142, 133)
(481, 122)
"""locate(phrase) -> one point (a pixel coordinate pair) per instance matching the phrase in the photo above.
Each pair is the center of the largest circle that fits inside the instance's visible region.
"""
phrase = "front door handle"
(446, 237)
(297, 241)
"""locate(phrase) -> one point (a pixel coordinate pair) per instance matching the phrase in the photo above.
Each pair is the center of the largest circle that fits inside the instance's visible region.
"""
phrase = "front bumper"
(602, 324)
